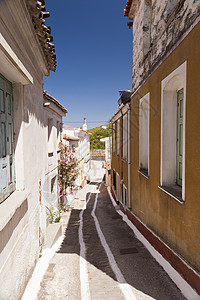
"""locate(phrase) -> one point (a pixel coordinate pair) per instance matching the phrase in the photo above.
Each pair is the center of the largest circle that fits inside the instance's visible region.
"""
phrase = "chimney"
(85, 125)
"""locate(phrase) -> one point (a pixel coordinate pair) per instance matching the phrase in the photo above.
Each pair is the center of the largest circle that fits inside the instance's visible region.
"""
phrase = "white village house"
(79, 138)
(27, 158)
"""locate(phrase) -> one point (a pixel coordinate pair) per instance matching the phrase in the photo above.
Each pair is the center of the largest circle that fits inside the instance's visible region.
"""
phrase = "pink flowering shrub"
(67, 173)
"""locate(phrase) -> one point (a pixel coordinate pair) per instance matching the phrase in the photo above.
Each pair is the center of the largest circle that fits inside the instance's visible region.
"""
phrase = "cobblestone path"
(114, 264)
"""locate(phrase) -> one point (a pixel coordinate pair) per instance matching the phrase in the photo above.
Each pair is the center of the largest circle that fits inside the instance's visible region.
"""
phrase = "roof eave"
(131, 8)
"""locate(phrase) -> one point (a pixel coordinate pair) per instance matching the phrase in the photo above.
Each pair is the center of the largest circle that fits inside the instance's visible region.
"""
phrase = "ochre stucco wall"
(175, 223)
(118, 163)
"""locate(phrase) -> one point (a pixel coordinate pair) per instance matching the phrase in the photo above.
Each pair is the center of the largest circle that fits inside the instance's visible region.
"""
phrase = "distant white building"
(97, 171)
(108, 146)
(79, 138)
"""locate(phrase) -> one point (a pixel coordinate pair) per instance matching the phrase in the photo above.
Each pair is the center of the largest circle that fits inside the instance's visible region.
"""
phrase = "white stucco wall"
(49, 189)
(97, 170)
(82, 149)
(20, 214)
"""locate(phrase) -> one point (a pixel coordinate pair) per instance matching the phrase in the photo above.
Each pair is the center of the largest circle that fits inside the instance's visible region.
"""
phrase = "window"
(118, 187)
(118, 136)
(58, 131)
(114, 180)
(7, 182)
(144, 135)
(125, 137)
(124, 195)
(173, 102)
(114, 137)
(50, 135)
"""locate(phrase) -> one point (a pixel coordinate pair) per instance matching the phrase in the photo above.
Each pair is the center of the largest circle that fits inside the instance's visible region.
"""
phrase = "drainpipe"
(129, 155)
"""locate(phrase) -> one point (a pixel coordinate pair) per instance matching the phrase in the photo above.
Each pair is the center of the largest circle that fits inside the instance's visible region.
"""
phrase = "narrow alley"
(101, 257)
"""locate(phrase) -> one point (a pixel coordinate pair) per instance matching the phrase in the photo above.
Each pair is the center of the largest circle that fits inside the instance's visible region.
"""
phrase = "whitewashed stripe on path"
(85, 290)
(124, 286)
(184, 287)
(33, 285)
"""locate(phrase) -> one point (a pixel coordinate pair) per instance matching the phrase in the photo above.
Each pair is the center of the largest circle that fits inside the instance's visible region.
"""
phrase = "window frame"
(7, 161)
(125, 136)
(114, 183)
(118, 185)
(114, 137)
(175, 81)
(144, 121)
(124, 195)
(118, 137)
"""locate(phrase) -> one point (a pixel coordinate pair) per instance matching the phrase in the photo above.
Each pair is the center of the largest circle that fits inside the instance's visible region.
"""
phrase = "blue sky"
(94, 58)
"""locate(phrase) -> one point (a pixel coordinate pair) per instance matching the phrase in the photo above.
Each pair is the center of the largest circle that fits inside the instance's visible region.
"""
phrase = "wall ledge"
(10, 205)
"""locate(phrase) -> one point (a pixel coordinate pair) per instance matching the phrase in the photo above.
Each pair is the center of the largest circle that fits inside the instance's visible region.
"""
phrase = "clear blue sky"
(94, 58)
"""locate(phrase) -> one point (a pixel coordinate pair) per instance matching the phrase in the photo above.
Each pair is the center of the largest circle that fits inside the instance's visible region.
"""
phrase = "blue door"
(7, 184)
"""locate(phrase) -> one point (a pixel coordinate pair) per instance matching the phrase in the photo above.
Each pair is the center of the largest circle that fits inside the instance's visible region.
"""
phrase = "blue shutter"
(7, 184)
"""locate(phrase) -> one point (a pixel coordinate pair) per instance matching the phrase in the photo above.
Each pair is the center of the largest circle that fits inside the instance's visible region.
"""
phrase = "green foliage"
(55, 215)
(67, 173)
(97, 134)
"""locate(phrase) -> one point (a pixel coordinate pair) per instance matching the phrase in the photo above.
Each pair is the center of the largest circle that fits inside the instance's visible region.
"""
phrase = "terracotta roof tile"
(69, 137)
(127, 9)
(37, 11)
(67, 126)
(130, 9)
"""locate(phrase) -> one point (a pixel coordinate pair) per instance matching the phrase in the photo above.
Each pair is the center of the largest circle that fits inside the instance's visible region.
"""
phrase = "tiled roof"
(53, 100)
(37, 11)
(130, 9)
(69, 137)
(67, 126)
(127, 9)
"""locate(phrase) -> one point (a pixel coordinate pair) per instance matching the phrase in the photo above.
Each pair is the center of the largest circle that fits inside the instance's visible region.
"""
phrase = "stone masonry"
(158, 28)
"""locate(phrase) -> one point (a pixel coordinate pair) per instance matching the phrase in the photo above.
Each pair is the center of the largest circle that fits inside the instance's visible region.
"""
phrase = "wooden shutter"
(179, 149)
(7, 185)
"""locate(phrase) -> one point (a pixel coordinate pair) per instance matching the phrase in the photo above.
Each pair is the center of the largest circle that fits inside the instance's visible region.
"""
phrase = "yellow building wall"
(177, 224)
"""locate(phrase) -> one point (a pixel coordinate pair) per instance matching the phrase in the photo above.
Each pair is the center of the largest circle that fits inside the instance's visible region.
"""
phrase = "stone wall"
(164, 24)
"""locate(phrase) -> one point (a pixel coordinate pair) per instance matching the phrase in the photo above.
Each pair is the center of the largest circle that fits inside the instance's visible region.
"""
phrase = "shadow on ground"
(138, 267)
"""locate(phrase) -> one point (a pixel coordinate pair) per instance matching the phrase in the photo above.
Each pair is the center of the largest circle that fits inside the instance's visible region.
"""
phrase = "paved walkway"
(101, 258)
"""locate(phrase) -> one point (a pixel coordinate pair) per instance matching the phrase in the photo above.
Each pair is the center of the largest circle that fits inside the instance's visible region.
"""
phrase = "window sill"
(144, 172)
(10, 205)
(174, 191)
